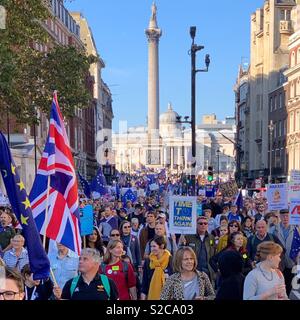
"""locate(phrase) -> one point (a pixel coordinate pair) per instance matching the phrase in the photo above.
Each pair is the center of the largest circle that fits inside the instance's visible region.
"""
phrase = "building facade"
(271, 27)
(292, 89)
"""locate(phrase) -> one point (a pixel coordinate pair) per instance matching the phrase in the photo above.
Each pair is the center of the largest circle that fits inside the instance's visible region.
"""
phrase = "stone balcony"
(285, 27)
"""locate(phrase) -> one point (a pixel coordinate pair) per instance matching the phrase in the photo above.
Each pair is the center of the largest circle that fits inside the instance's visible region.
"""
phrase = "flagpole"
(46, 214)
(53, 277)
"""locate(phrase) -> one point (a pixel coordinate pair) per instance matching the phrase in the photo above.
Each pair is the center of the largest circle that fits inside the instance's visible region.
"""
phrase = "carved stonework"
(153, 34)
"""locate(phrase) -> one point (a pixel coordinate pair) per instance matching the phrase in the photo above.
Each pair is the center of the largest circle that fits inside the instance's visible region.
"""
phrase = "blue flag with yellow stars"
(15, 189)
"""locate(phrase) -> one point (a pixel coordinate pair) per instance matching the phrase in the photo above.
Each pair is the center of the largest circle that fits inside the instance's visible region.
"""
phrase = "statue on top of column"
(153, 16)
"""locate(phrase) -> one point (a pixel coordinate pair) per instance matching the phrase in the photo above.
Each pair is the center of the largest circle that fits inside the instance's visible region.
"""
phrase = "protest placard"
(229, 189)
(183, 215)
(86, 220)
(277, 196)
(295, 212)
(209, 191)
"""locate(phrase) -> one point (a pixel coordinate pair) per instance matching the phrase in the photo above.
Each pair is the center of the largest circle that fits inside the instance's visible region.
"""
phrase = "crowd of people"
(237, 253)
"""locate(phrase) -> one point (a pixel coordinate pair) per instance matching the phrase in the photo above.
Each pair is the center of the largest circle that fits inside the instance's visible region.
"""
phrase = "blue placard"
(86, 220)
(199, 209)
(209, 191)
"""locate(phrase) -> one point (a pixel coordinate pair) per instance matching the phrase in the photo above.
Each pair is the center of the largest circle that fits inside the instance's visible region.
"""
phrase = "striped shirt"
(12, 261)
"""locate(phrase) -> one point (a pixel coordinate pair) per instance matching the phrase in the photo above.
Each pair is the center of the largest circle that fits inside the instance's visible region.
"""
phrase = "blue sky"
(118, 26)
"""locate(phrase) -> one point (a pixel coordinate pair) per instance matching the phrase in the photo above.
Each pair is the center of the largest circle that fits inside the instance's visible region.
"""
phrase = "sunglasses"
(126, 227)
(115, 235)
(233, 225)
(202, 223)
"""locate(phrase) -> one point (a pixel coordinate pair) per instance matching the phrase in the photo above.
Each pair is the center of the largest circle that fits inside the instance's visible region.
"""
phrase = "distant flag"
(295, 247)
(62, 223)
(239, 200)
(98, 184)
(129, 196)
(15, 188)
(118, 191)
(85, 186)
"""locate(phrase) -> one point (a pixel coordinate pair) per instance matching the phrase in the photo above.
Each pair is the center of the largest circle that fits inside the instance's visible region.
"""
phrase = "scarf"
(158, 278)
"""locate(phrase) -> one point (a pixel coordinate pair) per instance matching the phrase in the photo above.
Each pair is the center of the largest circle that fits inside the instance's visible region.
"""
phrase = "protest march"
(144, 236)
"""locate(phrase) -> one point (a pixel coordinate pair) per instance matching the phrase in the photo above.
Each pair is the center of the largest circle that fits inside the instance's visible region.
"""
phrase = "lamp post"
(218, 155)
(271, 128)
(193, 51)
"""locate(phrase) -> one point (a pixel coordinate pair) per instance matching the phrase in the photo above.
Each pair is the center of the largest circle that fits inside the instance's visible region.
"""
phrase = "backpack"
(124, 269)
(104, 280)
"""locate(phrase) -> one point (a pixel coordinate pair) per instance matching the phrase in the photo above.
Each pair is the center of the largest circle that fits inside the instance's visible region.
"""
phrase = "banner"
(229, 189)
(295, 212)
(295, 176)
(86, 220)
(199, 209)
(183, 215)
(277, 196)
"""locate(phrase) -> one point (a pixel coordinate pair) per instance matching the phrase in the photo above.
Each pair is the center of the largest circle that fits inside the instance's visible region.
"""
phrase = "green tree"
(28, 77)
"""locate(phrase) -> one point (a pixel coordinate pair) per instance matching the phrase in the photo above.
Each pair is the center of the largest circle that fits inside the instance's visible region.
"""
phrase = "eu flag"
(85, 186)
(15, 189)
(295, 248)
(98, 184)
(129, 196)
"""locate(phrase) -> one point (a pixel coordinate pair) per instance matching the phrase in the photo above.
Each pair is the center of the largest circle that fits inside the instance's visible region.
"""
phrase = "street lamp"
(218, 155)
(193, 51)
(271, 128)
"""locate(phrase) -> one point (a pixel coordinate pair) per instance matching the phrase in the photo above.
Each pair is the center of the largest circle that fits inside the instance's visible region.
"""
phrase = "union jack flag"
(62, 223)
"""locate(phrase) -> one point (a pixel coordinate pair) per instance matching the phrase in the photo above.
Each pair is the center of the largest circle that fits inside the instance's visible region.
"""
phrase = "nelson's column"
(153, 34)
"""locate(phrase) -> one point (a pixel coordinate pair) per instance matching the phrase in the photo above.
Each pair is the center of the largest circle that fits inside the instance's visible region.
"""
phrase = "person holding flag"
(21, 206)
(54, 195)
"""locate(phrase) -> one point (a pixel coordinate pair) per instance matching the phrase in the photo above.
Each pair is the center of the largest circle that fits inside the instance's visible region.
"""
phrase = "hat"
(161, 215)
(283, 211)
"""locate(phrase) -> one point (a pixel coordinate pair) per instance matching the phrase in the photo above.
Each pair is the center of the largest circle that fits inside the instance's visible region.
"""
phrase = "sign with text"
(229, 189)
(209, 191)
(277, 196)
(295, 212)
(295, 176)
(257, 183)
(86, 220)
(183, 215)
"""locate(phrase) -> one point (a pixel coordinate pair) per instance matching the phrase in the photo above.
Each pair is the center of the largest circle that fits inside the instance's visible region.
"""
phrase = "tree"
(27, 76)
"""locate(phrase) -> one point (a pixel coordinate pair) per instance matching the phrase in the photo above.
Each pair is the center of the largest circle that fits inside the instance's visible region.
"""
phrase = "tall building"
(271, 27)
(100, 123)
(242, 116)
(153, 34)
(293, 95)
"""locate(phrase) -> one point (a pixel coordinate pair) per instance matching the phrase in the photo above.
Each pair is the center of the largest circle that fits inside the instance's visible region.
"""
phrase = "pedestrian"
(94, 241)
(284, 231)
(89, 285)
(233, 215)
(157, 268)
(266, 282)
(13, 285)
(187, 283)
(36, 289)
(7, 231)
(148, 232)
(121, 272)
(204, 246)
(17, 257)
(261, 235)
(212, 224)
(64, 264)
(233, 226)
(131, 244)
(107, 223)
(136, 227)
(231, 266)
(247, 227)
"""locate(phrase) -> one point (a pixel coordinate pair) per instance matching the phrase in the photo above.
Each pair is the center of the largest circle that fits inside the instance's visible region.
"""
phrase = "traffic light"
(210, 174)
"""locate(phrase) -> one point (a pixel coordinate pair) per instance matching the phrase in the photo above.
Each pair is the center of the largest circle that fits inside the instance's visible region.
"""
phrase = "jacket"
(286, 261)
(193, 241)
(173, 288)
(143, 240)
(134, 253)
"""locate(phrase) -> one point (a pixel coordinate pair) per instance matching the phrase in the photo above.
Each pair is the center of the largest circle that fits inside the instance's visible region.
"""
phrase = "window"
(275, 102)
(284, 127)
(271, 102)
(291, 122)
(292, 90)
(280, 100)
(297, 120)
(298, 87)
(279, 129)
(298, 56)
(293, 59)
(275, 130)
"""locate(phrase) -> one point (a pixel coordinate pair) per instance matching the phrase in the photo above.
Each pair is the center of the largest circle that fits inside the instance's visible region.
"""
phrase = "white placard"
(295, 212)
(277, 196)
(183, 215)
